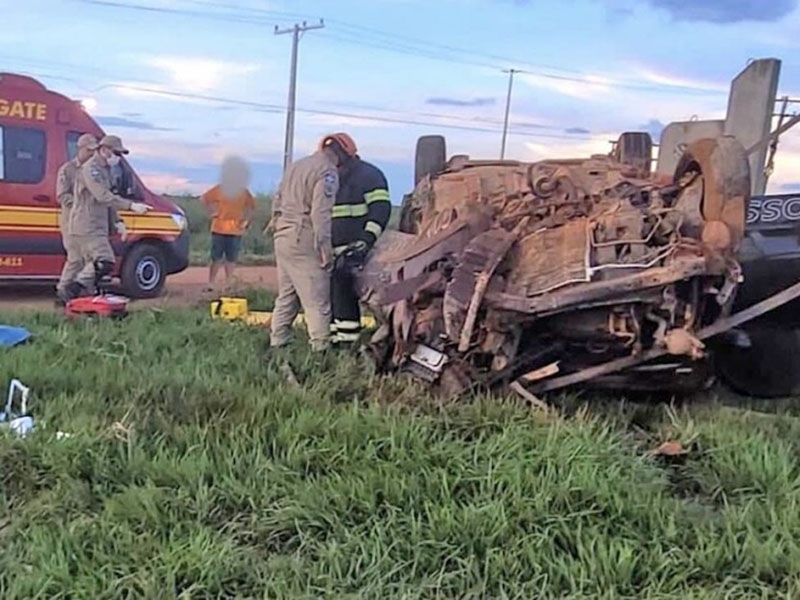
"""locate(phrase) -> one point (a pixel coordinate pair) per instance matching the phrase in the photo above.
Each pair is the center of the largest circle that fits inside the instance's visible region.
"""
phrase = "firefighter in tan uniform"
(89, 218)
(301, 222)
(65, 186)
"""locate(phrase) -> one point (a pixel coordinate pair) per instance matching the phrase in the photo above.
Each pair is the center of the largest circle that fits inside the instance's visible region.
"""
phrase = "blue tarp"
(12, 336)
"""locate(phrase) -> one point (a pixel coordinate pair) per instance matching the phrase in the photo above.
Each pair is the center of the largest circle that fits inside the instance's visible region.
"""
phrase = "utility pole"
(297, 30)
(508, 109)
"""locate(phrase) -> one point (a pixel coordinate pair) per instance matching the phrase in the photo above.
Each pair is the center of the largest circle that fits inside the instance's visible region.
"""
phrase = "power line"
(360, 29)
(436, 48)
(416, 117)
(267, 107)
(393, 42)
(587, 80)
(407, 117)
(229, 17)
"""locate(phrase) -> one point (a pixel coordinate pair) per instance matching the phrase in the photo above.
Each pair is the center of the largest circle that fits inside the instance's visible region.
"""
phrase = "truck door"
(30, 241)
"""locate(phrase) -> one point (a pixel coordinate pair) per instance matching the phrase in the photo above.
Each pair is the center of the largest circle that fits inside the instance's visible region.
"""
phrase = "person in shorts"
(231, 206)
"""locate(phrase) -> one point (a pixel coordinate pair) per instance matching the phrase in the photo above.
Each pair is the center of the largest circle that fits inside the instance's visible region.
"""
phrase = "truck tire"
(431, 156)
(769, 368)
(725, 169)
(143, 271)
(635, 148)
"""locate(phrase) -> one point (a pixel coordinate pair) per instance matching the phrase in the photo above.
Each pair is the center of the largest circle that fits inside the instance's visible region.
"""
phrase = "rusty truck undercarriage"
(512, 272)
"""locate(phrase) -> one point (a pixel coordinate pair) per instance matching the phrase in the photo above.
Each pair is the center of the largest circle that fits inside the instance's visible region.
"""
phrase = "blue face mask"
(113, 160)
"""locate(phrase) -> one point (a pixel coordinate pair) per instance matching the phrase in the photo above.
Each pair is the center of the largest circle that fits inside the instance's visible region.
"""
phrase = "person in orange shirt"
(231, 206)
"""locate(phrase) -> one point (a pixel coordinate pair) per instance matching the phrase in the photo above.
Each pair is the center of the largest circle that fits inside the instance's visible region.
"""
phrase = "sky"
(187, 82)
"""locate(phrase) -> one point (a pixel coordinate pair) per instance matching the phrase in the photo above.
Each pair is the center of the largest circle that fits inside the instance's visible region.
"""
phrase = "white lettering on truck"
(773, 210)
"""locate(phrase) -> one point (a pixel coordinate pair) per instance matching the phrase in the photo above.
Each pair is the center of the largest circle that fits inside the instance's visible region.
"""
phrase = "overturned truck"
(588, 271)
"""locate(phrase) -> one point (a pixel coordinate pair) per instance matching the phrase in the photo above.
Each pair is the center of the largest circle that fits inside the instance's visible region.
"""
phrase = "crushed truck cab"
(39, 130)
(548, 274)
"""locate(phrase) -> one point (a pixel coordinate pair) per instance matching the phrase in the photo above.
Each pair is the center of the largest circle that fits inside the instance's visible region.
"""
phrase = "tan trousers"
(301, 282)
(90, 249)
(73, 264)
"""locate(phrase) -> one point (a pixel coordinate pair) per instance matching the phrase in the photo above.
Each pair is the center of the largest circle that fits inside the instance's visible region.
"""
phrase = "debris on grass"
(13, 336)
(671, 449)
(535, 402)
(17, 420)
(377, 491)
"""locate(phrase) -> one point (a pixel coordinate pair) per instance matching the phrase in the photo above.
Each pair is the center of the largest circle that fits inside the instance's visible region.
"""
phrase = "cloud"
(726, 11)
(587, 87)
(339, 122)
(654, 127)
(667, 79)
(198, 74)
(163, 93)
(598, 144)
(129, 124)
(787, 165)
(577, 131)
(709, 11)
(473, 102)
(165, 183)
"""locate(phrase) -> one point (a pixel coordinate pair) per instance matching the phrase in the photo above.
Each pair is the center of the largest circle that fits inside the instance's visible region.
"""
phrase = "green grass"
(196, 471)
(257, 248)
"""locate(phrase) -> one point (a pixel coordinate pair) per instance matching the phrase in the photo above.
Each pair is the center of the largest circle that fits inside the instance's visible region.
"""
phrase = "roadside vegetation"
(257, 248)
(195, 469)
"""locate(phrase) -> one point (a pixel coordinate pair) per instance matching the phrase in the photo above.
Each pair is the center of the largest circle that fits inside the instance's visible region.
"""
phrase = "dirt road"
(183, 289)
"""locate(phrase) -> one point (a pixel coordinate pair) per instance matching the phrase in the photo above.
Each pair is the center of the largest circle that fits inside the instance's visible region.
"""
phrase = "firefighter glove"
(353, 256)
(139, 208)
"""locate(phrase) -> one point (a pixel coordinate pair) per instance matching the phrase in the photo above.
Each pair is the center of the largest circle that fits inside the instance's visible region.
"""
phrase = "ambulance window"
(22, 155)
(72, 144)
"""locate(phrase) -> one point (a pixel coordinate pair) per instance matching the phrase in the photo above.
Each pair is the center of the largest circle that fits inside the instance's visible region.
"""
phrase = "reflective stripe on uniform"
(380, 195)
(345, 337)
(343, 325)
(344, 211)
(373, 228)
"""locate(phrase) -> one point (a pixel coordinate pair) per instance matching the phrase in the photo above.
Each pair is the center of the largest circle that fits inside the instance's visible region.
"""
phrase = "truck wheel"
(635, 148)
(769, 368)
(722, 163)
(431, 157)
(143, 272)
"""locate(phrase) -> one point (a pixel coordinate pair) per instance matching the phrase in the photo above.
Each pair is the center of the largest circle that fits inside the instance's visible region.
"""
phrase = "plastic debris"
(13, 336)
(19, 421)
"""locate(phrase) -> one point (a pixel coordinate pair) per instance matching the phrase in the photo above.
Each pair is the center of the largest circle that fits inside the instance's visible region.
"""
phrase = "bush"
(257, 248)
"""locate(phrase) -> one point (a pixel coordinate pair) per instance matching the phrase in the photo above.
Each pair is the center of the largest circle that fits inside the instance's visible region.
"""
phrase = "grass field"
(195, 470)
(257, 248)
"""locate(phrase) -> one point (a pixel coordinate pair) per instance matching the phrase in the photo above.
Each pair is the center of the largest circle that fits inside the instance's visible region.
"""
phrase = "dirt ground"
(183, 289)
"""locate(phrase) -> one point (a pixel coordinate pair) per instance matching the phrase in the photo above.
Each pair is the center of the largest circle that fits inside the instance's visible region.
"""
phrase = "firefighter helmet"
(346, 143)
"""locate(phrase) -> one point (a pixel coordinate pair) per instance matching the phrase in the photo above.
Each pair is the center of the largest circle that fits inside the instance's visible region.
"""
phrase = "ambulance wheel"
(143, 272)
(431, 157)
